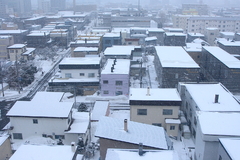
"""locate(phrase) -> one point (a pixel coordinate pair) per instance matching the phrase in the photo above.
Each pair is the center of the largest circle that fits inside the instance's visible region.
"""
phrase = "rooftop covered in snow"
(43, 152)
(119, 50)
(229, 124)
(204, 97)
(84, 49)
(122, 66)
(231, 145)
(100, 109)
(46, 105)
(81, 61)
(175, 57)
(113, 128)
(123, 154)
(223, 56)
(16, 46)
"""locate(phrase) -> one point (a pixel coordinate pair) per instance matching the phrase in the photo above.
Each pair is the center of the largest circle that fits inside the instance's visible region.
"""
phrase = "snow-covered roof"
(223, 56)
(193, 47)
(83, 42)
(229, 123)
(173, 29)
(231, 145)
(12, 31)
(151, 38)
(16, 46)
(155, 30)
(204, 97)
(148, 135)
(122, 66)
(195, 34)
(46, 104)
(119, 50)
(173, 121)
(227, 33)
(199, 40)
(229, 43)
(99, 110)
(80, 61)
(155, 94)
(42, 152)
(74, 80)
(175, 57)
(174, 34)
(34, 18)
(80, 123)
(29, 51)
(124, 154)
(112, 35)
(82, 49)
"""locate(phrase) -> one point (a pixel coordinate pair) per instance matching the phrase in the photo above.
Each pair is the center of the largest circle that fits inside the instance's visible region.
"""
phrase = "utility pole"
(1, 74)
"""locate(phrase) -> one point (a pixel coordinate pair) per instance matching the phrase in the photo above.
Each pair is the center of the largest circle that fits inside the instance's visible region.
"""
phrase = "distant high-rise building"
(57, 5)
(2, 9)
(20, 7)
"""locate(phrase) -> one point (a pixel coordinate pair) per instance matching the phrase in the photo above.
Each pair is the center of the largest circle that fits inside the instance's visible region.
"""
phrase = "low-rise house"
(5, 41)
(173, 65)
(205, 97)
(140, 154)
(157, 32)
(5, 147)
(174, 39)
(46, 116)
(151, 41)
(19, 36)
(20, 52)
(232, 47)
(79, 75)
(228, 148)
(84, 51)
(227, 35)
(41, 152)
(209, 131)
(222, 66)
(123, 134)
(115, 77)
(191, 36)
(38, 39)
(110, 39)
(159, 107)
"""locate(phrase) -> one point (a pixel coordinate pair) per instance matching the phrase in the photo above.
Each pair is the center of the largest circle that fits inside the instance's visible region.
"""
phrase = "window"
(157, 124)
(105, 81)
(11, 51)
(167, 111)
(35, 121)
(108, 42)
(82, 74)
(68, 75)
(142, 112)
(16, 51)
(118, 93)
(91, 74)
(172, 127)
(59, 137)
(17, 136)
(212, 34)
(105, 92)
(118, 83)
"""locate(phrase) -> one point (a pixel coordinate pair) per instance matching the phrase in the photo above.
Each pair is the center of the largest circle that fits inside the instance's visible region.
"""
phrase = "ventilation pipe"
(125, 125)
(140, 149)
(216, 98)
(148, 91)
(73, 147)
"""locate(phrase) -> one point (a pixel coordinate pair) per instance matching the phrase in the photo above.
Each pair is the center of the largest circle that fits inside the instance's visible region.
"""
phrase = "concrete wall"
(223, 153)
(5, 148)
(111, 87)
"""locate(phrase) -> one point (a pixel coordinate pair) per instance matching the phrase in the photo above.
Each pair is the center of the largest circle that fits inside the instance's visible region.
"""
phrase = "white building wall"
(75, 73)
(46, 126)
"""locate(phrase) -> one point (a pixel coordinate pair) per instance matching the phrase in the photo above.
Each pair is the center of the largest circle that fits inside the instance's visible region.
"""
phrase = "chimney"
(140, 149)
(216, 98)
(125, 125)
(148, 92)
(73, 147)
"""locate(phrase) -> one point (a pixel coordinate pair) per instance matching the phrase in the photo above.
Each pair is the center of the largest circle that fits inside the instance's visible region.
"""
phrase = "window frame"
(17, 136)
(35, 121)
(142, 112)
(118, 83)
(166, 112)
